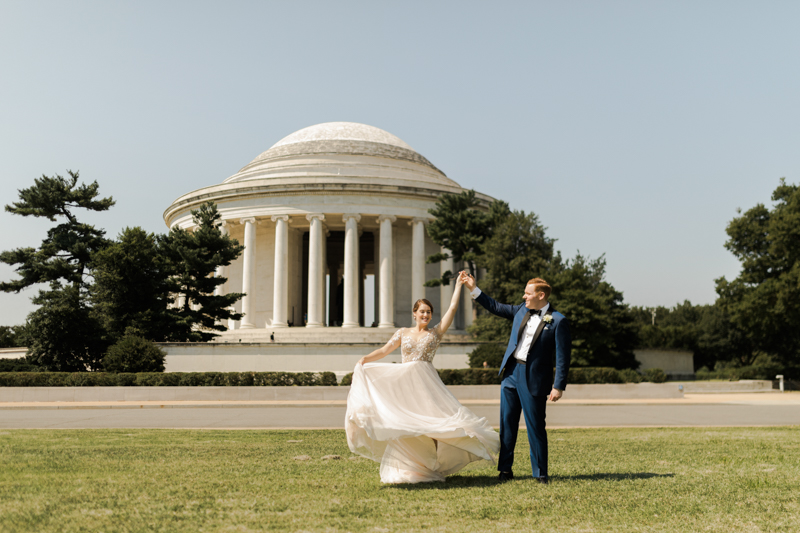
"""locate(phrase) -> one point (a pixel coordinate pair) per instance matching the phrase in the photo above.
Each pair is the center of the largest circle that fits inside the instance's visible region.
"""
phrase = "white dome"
(344, 152)
(342, 131)
(330, 168)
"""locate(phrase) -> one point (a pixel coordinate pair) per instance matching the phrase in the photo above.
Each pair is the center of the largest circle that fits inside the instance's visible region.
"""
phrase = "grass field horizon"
(616, 479)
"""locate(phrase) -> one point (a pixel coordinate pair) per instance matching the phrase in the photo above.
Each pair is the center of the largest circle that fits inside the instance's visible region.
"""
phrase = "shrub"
(762, 371)
(165, 379)
(491, 353)
(592, 375)
(133, 353)
(469, 376)
(630, 376)
(17, 365)
(654, 375)
(490, 376)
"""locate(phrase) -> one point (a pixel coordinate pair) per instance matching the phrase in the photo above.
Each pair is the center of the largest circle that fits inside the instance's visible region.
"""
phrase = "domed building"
(333, 219)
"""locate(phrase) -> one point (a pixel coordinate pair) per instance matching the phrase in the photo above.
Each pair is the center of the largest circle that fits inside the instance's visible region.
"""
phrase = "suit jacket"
(554, 345)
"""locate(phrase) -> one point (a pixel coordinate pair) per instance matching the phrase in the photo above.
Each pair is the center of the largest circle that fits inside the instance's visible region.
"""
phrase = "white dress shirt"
(524, 345)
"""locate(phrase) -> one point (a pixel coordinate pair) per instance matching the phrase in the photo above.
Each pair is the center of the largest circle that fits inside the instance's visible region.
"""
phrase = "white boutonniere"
(547, 319)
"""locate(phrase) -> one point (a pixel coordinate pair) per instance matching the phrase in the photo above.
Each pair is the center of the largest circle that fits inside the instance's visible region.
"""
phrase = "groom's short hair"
(540, 285)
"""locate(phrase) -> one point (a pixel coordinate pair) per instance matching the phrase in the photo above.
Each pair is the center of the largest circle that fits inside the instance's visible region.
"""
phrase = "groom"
(539, 339)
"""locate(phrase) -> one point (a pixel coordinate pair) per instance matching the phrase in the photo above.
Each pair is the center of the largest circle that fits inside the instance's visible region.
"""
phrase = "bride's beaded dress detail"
(422, 349)
(404, 417)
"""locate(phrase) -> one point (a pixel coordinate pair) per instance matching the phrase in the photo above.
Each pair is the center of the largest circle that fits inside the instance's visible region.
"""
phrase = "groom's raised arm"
(489, 303)
(493, 306)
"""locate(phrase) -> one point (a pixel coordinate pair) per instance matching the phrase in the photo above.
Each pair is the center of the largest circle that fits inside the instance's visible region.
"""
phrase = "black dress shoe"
(544, 480)
(506, 476)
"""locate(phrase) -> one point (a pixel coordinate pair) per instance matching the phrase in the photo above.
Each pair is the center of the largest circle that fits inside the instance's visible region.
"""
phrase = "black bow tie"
(535, 312)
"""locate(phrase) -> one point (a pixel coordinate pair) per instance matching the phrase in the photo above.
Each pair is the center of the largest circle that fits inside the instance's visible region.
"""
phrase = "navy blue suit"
(524, 388)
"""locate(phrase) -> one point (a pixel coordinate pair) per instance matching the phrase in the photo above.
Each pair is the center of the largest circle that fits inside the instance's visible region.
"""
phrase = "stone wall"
(676, 364)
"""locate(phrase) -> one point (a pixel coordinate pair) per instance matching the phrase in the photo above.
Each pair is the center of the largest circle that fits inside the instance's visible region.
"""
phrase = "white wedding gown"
(403, 417)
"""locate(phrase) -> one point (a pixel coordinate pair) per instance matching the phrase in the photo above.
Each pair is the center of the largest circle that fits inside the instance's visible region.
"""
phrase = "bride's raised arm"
(447, 318)
(382, 352)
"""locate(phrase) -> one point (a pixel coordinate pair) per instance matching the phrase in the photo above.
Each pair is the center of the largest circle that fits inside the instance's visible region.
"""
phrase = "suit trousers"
(515, 399)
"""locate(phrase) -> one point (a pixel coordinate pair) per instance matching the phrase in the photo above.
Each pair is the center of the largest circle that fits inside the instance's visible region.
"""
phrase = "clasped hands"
(467, 280)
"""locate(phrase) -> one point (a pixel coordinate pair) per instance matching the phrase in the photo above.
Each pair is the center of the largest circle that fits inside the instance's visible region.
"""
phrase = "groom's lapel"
(523, 323)
(538, 332)
(541, 326)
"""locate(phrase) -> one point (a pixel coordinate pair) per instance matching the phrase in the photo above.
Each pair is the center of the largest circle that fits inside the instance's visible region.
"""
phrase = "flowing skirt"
(403, 416)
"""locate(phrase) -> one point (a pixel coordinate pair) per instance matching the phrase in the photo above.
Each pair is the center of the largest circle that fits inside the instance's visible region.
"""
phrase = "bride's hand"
(460, 279)
(361, 361)
(467, 280)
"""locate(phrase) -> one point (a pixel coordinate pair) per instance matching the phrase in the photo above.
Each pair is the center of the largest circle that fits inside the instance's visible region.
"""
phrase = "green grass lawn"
(731, 479)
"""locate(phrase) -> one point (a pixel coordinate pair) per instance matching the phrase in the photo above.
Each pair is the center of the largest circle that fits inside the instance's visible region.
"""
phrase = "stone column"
(231, 322)
(417, 258)
(280, 298)
(446, 291)
(386, 273)
(351, 270)
(316, 270)
(249, 273)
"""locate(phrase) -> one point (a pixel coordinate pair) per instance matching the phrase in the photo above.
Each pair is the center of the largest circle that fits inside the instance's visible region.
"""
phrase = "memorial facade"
(320, 213)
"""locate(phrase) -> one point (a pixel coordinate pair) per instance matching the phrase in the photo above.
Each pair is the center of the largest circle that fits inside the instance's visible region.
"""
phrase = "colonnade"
(316, 269)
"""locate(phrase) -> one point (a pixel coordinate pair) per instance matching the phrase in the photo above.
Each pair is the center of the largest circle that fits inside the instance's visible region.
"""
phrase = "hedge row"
(168, 379)
(577, 375)
(20, 364)
(593, 375)
(749, 372)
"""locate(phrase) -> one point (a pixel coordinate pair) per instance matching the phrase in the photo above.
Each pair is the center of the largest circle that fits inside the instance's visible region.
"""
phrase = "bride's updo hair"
(422, 301)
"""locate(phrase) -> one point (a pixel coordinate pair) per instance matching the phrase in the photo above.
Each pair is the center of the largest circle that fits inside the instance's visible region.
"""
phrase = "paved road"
(321, 416)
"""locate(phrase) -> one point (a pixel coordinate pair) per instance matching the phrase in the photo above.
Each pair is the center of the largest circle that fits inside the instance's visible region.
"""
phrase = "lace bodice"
(417, 350)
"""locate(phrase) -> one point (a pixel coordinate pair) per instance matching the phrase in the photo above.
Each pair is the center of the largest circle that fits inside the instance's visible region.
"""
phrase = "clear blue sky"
(634, 129)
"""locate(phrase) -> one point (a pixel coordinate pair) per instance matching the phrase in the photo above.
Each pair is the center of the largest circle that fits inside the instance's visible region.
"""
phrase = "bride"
(405, 418)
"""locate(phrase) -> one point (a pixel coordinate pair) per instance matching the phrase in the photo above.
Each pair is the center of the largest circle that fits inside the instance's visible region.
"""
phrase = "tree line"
(103, 302)
(754, 320)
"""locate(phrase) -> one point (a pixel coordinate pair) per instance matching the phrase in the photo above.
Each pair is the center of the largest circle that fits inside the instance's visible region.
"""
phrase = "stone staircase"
(325, 336)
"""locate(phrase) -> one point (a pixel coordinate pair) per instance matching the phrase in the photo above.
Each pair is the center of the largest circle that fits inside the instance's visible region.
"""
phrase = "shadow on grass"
(610, 477)
(465, 482)
(453, 482)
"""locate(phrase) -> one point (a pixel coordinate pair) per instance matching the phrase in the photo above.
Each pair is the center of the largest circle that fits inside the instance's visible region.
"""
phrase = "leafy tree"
(140, 278)
(191, 259)
(460, 227)
(131, 287)
(762, 305)
(63, 334)
(602, 326)
(516, 252)
(701, 329)
(603, 333)
(11, 336)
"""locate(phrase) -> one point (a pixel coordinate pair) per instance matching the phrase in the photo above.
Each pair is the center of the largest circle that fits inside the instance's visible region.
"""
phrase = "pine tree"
(63, 335)
(517, 250)
(191, 258)
(131, 287)
(462, 228)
